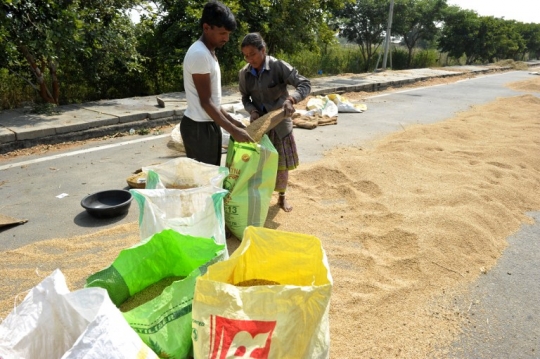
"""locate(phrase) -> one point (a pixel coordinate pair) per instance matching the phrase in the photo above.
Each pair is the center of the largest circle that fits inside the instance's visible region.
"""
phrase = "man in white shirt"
(204, 117)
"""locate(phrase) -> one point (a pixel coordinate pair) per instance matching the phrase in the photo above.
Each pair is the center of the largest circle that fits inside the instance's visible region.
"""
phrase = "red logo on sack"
(232, 338)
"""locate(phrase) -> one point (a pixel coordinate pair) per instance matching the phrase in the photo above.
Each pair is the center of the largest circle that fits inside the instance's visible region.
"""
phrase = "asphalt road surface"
(47, 191)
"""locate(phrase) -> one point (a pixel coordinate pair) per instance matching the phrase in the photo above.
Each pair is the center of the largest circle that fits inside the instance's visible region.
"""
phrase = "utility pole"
(388, 30)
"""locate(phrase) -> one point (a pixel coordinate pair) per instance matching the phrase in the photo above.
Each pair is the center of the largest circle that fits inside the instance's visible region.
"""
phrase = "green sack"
(251, 182)
(164, 322)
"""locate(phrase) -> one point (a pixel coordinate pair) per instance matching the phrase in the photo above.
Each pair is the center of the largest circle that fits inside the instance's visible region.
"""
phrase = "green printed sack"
(164, 322)
(251, 182)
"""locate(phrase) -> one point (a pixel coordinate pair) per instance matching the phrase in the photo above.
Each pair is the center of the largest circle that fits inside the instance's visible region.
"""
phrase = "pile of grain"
(531, 85)
(147, 294)
(407, 224)
(255, 282)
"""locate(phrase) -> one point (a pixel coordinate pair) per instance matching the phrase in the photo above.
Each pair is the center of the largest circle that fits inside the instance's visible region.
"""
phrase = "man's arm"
(203, 86)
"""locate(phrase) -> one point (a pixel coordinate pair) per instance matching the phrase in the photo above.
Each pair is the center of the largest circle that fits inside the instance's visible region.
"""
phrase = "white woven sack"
(52, 322)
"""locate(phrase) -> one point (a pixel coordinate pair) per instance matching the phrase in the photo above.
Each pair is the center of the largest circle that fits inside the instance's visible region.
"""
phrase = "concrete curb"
(21, 129)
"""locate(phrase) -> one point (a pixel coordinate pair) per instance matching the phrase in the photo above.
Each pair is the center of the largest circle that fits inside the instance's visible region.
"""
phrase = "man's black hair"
(217, 14)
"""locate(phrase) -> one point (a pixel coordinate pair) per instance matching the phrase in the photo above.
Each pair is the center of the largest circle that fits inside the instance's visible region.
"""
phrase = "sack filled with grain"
(271, 297)
(154, 282)
(251, 182)
(182, 173)
(196, 212)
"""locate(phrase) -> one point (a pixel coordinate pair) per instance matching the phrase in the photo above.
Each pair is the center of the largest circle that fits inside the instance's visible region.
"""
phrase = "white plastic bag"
(52, 322)
(225, 138)
(176, 143)
(270, 299)
(324, 104)
(344, 105)
(197, 212)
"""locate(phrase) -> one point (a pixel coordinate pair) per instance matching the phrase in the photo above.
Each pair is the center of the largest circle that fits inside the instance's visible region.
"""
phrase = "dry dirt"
(407, 224)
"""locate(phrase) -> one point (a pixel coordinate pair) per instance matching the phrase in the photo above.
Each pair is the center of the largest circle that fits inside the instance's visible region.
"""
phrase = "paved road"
(505, 318)
(30, 190)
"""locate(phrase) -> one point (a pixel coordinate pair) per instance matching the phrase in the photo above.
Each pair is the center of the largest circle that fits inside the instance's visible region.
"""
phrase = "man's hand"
(237, 123)
(288, 108)
(241, 135)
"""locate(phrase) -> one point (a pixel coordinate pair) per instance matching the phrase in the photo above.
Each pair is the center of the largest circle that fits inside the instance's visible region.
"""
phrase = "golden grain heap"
(147, 294)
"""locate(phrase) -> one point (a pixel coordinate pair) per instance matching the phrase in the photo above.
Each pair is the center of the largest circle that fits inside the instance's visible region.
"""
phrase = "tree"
(363, 22)
(289, 25)
(459, 32)
(498, 39)
(480, 38)
(286, 25)
(48, 37)
(417, 20)
(531, 35)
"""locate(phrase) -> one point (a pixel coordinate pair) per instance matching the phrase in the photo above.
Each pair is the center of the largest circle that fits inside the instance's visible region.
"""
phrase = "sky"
(520, 10)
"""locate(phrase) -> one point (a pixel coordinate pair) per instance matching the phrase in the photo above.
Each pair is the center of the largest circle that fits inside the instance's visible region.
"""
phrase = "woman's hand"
(253, 116)
(288, 108)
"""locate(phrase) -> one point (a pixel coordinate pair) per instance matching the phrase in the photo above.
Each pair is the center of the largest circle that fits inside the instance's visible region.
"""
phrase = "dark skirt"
(288, 158)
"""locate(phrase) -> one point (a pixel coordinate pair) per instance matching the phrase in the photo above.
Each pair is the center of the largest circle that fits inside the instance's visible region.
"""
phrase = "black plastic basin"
(107, 204)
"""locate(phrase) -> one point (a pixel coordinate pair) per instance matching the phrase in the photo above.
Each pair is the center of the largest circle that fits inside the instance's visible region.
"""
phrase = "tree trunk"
(38, 73)
(55, 84)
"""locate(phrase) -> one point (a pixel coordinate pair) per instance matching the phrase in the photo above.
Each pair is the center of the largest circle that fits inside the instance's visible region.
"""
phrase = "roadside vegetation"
(71, 51)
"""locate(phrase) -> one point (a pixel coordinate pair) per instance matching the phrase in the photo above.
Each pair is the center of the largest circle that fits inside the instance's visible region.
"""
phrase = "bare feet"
(282, 202)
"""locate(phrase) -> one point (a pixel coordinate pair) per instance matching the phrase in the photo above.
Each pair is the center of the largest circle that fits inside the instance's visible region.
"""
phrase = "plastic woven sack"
(164, 322)
(182, 173)
(251, 182)
(270, 299)
(324, 104)
(344, 105)
(197, 212)
(52, 322)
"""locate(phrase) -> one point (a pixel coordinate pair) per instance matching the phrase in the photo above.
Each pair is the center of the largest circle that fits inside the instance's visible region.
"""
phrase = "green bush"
(335, 60)
(424, 58)
(14, 91)
(164, 77)
(399, 58)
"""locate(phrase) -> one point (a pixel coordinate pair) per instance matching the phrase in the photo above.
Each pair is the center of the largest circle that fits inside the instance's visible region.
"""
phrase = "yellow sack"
(270, 299)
